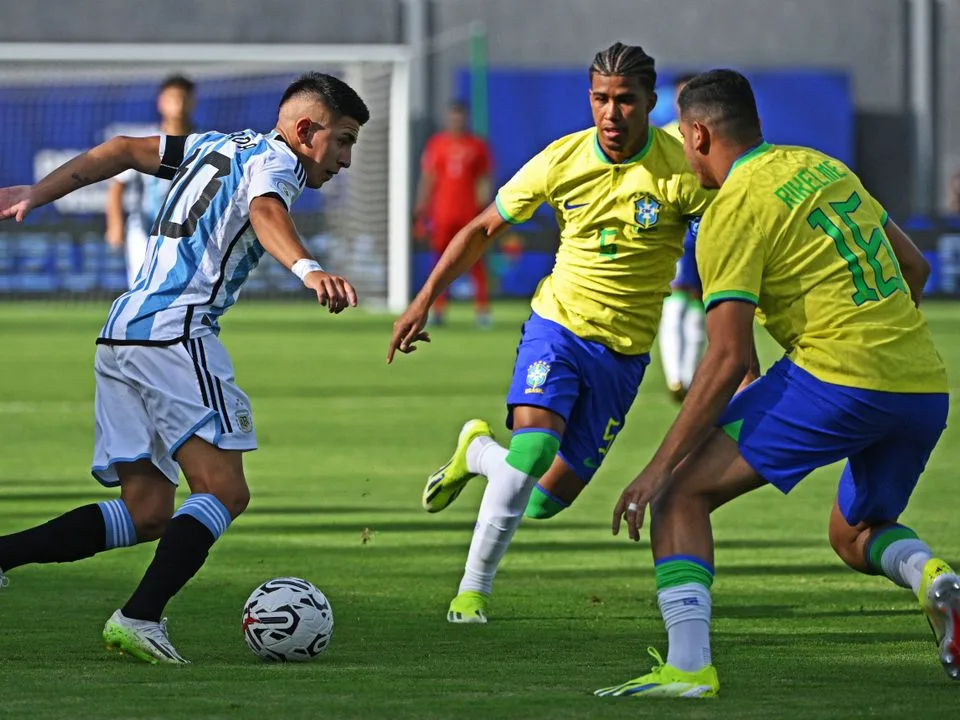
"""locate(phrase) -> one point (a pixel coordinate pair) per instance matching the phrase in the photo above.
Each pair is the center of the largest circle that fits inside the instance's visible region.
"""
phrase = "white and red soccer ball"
(287, 619)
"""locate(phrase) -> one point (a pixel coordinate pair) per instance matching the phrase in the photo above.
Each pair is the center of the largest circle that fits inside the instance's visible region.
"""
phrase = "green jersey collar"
(602, 156)
(749, 155)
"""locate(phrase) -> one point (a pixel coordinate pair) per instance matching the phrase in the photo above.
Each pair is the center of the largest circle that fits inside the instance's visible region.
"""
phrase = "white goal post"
(355, 63)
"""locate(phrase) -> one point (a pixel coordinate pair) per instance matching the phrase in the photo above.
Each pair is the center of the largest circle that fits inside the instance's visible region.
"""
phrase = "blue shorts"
(688, 276)
(789, 423)
(586, 383)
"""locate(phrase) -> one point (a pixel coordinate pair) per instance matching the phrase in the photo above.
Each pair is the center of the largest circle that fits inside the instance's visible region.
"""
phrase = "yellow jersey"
(621, 233)
(795, 232)
(672, 129)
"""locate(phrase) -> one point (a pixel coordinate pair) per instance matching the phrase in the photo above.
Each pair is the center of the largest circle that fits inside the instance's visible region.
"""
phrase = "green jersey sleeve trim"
(884, 219)
(504, 214)
(719, 297)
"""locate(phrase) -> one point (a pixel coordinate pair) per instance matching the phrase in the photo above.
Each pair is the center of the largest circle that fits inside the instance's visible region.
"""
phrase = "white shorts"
(135, 249)
(150, 400)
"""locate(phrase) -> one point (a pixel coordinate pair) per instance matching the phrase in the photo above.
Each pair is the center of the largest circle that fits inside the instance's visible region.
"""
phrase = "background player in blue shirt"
(175, 102)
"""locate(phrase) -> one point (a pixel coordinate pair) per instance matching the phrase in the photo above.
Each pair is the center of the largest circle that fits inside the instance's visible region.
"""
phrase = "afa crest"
(647, 211)
(536, 377)
(242, 416)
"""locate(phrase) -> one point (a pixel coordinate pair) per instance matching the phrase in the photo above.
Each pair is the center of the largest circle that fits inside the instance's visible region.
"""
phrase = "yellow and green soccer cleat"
(144, 640)
(667, 681)
(446, 484)
(468, 607)
(939, 597)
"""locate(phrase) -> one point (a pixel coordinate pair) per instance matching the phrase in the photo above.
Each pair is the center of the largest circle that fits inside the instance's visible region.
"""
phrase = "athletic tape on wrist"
(301, 268)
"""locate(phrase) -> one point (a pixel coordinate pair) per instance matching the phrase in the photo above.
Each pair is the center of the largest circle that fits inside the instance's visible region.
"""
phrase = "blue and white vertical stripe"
(202, 247)
(119, 525)
(206, 509)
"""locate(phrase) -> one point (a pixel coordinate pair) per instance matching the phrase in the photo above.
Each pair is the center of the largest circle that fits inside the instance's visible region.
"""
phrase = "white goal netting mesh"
(50, 113)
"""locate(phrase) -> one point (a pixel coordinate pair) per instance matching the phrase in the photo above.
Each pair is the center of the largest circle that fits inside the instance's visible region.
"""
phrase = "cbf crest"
(647, 211)
(536, 377)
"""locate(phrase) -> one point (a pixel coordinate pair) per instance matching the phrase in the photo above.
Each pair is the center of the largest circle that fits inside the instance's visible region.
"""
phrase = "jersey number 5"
(214, 162)
(863, 291)
(608, 246)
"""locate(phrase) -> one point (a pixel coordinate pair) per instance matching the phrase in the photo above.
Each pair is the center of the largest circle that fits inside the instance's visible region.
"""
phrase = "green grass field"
(346, 443)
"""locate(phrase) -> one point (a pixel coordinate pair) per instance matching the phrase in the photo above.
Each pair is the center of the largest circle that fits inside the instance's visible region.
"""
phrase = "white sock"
(501, 510)
(693, 337)
(670, 337)
(903, 562)
(476, 449)
(686, 615)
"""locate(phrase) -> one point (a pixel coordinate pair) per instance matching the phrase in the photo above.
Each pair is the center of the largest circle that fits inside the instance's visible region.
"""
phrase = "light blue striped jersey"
(149, 193)
(202, 247)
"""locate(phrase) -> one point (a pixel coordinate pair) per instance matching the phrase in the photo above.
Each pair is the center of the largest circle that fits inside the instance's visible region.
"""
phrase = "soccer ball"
(287, 618)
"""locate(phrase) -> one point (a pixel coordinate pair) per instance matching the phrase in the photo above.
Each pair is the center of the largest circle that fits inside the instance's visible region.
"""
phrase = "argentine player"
(623, 195)
(175, 101)
(166, 397)
(794, 234)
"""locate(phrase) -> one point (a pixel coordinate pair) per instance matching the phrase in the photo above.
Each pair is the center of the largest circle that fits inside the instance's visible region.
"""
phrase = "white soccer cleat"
(4, 580)
(940, 599)
(142, 639)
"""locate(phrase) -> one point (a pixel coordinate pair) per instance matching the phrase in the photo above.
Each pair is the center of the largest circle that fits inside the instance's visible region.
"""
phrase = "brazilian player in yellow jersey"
(794, 236)
(623, 195)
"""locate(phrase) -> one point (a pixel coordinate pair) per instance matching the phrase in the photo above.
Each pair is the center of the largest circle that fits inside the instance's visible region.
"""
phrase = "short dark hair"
(181, 82)
(725, 98)
(625, 61)
(340, 98)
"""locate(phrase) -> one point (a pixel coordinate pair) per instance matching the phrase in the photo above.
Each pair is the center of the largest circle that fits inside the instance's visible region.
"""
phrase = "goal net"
(57, 100)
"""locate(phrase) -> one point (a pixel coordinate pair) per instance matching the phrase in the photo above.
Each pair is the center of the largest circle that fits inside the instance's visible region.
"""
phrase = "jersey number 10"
(217, 166)
(864, 292)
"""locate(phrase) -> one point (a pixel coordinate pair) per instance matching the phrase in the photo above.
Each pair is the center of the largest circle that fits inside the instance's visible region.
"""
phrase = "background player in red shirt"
(454, 187)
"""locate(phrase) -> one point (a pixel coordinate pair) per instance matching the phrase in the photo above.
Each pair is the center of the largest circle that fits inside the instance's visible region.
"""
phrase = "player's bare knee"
(151, 523)
(670, 499)
(848, 542)
(238, 500)
(150, 513)
(231, 491)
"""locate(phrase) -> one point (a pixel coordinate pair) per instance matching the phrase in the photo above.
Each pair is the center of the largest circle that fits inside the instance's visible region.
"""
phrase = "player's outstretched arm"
(913, 265)
(463, 251)
(278, 235)
(728, 359)
(102, 162)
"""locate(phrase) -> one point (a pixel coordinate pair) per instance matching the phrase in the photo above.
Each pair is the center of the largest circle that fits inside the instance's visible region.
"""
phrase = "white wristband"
(301, 268)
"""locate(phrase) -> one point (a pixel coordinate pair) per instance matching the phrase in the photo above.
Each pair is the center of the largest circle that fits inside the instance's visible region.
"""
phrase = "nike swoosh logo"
(571, 206)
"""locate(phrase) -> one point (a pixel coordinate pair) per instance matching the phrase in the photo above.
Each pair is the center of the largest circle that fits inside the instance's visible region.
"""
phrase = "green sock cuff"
(532, 451)
(880, 541)
(682, 569)
(695, 304)
(542, 505)
(677, 296)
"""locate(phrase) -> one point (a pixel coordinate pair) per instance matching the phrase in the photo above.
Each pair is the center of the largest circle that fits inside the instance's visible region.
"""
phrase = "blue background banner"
(530, 108)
